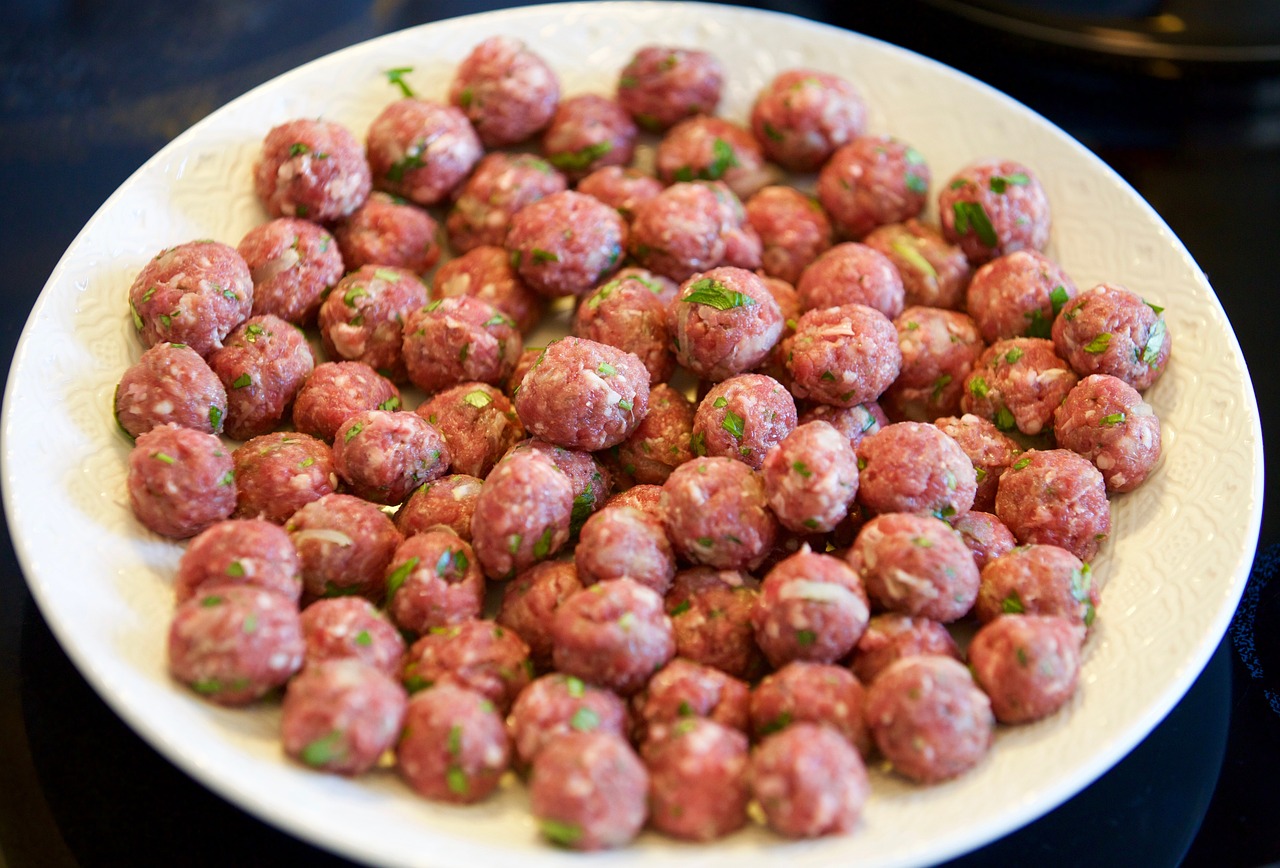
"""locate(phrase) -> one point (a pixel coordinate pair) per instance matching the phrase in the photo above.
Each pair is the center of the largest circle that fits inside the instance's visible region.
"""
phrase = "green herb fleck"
(1000, 182)
(363, 638)
(235, 569)
(1021, 463)
(1012, 604)
(914, 257)
(827, 377)
(1004, 419)
(542, 547)
(398, 577)
(1155, 342)
(624, 405)
(606, 370)
(457, 781)
(478, 399)
(978, 387)
(540, 255)
(801, 468)
(210, 601)
(564, 834)
(1113, 419)
(806, 637)
(392, 403)
(698, 444)
(714, 293)
(680, 608)
(297, 149)
(576, 161)
(939, 385)
(396, 77)
(352, 432)
(972, 216)
(584, 720)
(733, 423)
(1099, 344)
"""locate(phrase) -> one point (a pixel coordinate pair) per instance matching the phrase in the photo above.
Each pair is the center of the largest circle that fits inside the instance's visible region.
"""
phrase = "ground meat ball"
(985, 535)
(233, 643)
(478, 423)
(279, 473)
(710, 611)
(1038, 580)
(247, 552)
(584, 395)
(508, 92)
(448, 501)
(809, 781)
(478, 655)
(698, 785)
(743, 417)
(843, 355)
(873, 181)
(180, 481)
(345, 544)
(1056, 497)
(192, 294)
(712, 149)
(929, 719)
(340, 716)
(803, 692)
(916, 565)
(566, 243)
(587, 133)
(1111, 330)
(362, 319)
(661, 442)
(454, 745)
(384, 455)
(459, 340)
(622, 541)
(742, 247)
(856, 422)
(630, 313)
(312, 169)
(500, 186)
(994, 207)
(679, 232)
(811, 477)
(1017, 383)
(1028, 665)
(590, 482)
(335, 392)
(683, 689)
(557, 704)
(724, 322)
(1018, 294)
(170, 385)
(344, 627)
(388, 231)
(621, 188)
(486, 273)
(530, 600)
(852, 273)
(990, 451)
(293, 263)
(421, 150)
(793, 230)
(802, 116)
(433, 580)
(588, 791)
(914, 467)
(646, 498)
(522, 515)
(716, 513)
(891, 636)
(612, 634)
(1105, 419)
(263, 364)
(934, 273)
(812, 607)
(660, 86)
(939, 349)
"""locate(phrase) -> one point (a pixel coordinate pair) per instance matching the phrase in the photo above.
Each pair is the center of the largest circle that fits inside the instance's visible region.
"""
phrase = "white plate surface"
(1174, 571)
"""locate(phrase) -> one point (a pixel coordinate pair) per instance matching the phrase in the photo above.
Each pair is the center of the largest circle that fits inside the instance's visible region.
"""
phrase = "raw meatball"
(485, 273)
(311, 168)
(852, 273)
(352, 627)
(1028, 665)
(234, 643)
(432, 581)
(994, 207)
(646, 498)
(622, 189)
(170, 385)
(809, 781)
(459, 340)
(843, 355)
(180, 481)
(583, 395)
(345, 544)
(698, 783)
(522, 514)
(477, 422)
(384, 455)
(588, 479)
(454, 745)
(682, 230)
(710, 611)
(891, 636)
(712, 149)
(855, 423)
(929, 719)
(566, 243)
(660, 86)
(1017, 383)
(873, 181)
(623, 542)
(192, 294)
(939, 349)
(683, 689)
(1110, 330)
(341, 716)
(988, 448)
(1038, 580)
(724, 322)
(587, 133)
(1018, 294)
(508, 92)
(793, 230)
(716, 513)
(500, 186)
(478, 655)
(449, 501)
(388, 231)
(802, 116)
(362, 319)
(1105, 419)
(262, 364)
(335, 392)
(662, 440)
(811, 477)
(530, 600)
(934, 273)
(804, 692)
(421, 150)
(244, 552)
(277, 474)
(293, 264)
(743, 417)
(630, 313)
(914, 467)
(985, 535)
(1056, 497)
(916, 565)
(612, 634)
(588, 791)
(812, 607)
(557, 704)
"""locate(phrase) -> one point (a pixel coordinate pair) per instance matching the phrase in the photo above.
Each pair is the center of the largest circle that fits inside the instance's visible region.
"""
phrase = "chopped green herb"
(398, 577)
(1004, 419)
(705, 541)
(972, 216)
(915, 183)
(1013, 355)
(680, 608)
(1012, 604)
(958, 183)
(714, 293)
(733, 423)
(386, 274)
(137, 317)
(576, 161)
(978, 387)
(720, 402)
(250, 623)
(352, 432)
(349, 297)
(457, 781)
(1057, 298)
(396, 77)
(465, 98)
(939, 385)
(392, 403)
(575, 687)
(210, 601)
(453, 743)
(498, 318)
(408, 163)
(478, 398)
(782, 721)
(297, 149)
(811, 523)
(161, 456)
(914, 257)
(564, 834)
(806, 637)
(464, 352)
(922, 542)
(801, 468)
(606, 370)
(1155, 307)
(227, 478)
(980, 473)
(1099, 344)
(513, 543)
(542, 547)
(698, 444)
(1021, 654)
(1021, 463)
(540, 255)
(584, 720)
(999, 183)
(772, 132)
(206, 686)
(827, 377)
(363, 638)
(166, 320)
(235, 569)
(723, 159)
(230, 294)
(1155, 342)
(1113, 418)
(624, 405)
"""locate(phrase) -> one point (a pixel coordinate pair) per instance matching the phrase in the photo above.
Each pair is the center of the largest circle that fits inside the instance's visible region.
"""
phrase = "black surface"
(89, 90)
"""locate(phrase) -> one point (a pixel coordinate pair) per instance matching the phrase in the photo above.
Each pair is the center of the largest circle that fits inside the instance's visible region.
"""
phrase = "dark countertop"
(90, 89)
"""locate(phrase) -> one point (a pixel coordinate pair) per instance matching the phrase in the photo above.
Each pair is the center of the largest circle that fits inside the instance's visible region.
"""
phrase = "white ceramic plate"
(1174, 572)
